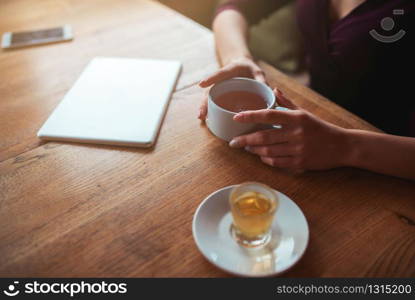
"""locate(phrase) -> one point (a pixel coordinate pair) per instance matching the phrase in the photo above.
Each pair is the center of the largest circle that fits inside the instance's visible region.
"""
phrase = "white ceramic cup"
(220, 121)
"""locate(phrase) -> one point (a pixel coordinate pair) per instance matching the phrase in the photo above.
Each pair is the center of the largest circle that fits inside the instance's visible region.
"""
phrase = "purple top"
(354, 61)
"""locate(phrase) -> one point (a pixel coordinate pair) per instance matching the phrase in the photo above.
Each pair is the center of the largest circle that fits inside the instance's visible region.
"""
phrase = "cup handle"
(281, 108)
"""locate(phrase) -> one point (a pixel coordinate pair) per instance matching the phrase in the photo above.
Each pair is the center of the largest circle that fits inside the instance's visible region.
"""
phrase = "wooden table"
(86, 210)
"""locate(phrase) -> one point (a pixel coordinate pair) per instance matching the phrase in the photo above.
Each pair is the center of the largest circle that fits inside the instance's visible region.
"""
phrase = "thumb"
(283, 101)
(260, 77)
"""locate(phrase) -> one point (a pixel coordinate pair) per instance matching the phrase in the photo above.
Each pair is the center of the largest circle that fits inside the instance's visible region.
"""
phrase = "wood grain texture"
(80, 210)
(74, 210)
(33, 80)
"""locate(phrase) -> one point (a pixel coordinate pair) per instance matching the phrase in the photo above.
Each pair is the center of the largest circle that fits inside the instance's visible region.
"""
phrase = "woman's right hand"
(242, 67)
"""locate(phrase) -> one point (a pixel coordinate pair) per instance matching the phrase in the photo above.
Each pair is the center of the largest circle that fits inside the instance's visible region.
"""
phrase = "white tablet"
(119, 101)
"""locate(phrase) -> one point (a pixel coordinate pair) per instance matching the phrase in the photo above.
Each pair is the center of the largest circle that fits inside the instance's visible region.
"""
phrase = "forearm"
(231, 36)
(381, 153)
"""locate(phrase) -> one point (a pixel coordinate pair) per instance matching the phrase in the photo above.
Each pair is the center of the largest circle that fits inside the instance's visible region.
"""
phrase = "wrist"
(351, 147)
(237, 58)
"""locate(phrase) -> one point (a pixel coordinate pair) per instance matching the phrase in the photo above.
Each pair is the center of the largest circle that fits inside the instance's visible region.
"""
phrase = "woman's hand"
(242, 67)
(304, 142)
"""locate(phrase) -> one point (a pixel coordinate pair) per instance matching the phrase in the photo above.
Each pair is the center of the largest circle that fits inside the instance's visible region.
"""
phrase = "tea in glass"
(253, 206)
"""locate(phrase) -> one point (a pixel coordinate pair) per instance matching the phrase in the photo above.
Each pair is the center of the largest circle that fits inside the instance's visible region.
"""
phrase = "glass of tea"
(253, 207)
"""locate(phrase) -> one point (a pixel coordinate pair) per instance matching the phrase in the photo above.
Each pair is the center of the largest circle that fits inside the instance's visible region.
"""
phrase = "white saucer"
(289, 241)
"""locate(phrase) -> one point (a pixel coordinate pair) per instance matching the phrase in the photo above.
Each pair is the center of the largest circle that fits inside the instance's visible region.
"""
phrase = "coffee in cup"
(238, 101)
(229, 97)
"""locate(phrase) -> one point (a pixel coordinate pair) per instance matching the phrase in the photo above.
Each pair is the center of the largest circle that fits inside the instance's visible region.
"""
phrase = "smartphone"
(37, 37)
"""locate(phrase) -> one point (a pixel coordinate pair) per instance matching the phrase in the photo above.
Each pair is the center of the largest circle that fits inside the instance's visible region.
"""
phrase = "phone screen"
(38, 37)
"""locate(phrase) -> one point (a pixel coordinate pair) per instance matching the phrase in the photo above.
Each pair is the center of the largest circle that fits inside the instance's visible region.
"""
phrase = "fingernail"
(237, 116)
(233, 143)
(247, 148)
(201, 82)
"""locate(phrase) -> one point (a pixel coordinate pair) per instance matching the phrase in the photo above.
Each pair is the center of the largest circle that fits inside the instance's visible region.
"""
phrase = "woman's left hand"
(304, 142)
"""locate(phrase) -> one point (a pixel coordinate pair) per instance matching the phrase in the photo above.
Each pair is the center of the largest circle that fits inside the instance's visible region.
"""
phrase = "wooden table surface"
(69, 209)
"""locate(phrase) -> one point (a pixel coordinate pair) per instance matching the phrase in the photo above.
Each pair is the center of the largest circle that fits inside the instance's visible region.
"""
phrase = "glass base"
(242, 240)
